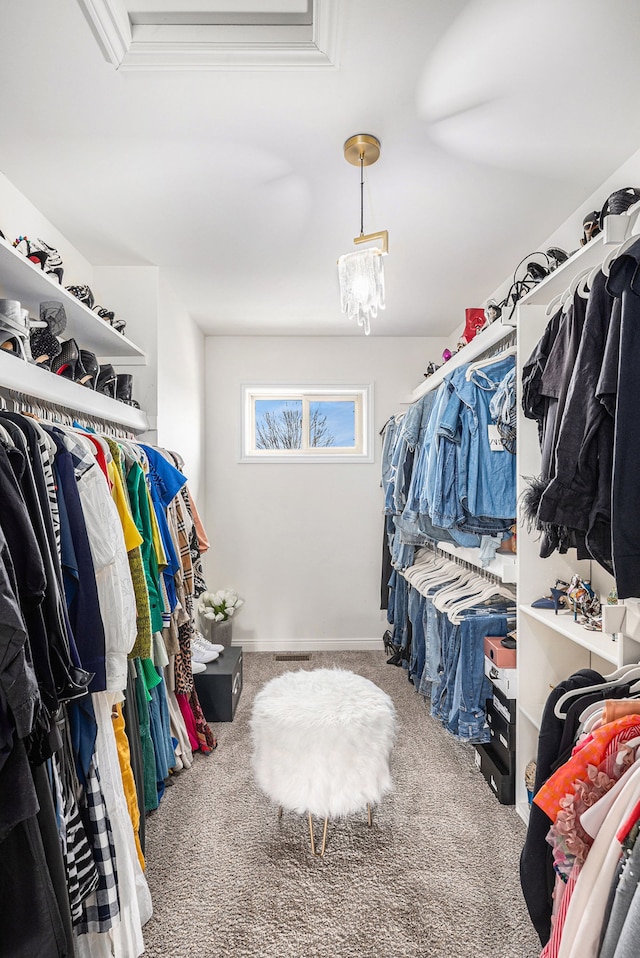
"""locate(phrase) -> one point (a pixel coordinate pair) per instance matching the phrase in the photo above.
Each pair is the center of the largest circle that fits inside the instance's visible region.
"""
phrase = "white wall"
(132, 292)
(301, 542)
(568, 234)
(19, 217)
(181, 396)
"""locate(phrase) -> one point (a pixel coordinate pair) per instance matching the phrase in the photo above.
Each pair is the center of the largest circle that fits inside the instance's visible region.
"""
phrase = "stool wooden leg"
(313, 844)
(324, 838)
(319, 854)
(280, 811)
(370, 820)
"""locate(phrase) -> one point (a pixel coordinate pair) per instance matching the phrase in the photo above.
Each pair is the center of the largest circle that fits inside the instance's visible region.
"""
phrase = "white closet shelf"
(502, 566)
(524, 811)
(28, 379)
(599, 643)
(489, 337)
(558, 281)
(533, 713)
(23, 280)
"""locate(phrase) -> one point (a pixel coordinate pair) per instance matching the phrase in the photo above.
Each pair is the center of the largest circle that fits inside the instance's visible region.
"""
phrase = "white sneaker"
(200, 654)
(205, 644)
(197, 666)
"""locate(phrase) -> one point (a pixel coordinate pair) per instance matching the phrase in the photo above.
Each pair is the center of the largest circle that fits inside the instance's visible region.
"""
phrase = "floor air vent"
(292, 657)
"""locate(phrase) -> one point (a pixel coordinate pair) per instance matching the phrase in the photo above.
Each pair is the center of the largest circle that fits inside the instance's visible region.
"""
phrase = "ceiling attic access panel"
(215, 34)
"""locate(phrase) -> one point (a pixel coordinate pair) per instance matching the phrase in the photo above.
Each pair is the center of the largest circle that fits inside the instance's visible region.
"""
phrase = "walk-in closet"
(319, 501)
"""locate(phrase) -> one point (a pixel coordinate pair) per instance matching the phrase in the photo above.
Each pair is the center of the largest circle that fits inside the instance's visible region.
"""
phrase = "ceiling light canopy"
(360, 273)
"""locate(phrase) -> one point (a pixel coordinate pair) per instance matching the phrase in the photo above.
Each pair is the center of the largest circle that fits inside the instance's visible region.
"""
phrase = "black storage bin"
(503, 736)
(219, 687)
(504, 706)
(500, 779)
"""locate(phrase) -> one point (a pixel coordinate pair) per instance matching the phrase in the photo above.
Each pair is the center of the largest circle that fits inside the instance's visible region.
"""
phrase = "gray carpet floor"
(436, 876)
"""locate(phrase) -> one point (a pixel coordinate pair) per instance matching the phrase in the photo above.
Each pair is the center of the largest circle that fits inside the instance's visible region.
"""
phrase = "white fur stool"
(322, 743)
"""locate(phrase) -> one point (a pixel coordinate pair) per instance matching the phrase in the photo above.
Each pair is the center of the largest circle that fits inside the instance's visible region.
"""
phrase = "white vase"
(219, 632)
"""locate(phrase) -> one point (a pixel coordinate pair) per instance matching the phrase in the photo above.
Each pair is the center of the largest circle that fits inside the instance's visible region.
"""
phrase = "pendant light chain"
(362, 194)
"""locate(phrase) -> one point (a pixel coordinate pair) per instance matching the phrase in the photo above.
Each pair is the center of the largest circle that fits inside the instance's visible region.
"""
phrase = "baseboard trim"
(309, 645)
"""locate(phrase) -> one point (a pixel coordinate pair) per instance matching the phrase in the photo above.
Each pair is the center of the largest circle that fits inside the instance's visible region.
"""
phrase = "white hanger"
(553, 305)
(468, 583)
(586, 285)
(576, 284)
(488, 593)
(619, 677)
(618, 251)
(442, 573)
(490, 361)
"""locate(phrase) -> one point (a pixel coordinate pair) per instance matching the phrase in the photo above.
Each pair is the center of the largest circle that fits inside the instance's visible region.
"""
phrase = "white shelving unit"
(616, 648)
(504, 567)
(23, 280)
(31, 381)
(551, 647)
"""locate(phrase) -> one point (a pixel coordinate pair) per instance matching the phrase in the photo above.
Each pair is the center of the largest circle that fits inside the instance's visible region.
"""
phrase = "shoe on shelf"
(90, 362)
(83, 293)
(106, 381)
(14, 329)
(41, 253)
(199, 654)
(124, 387)
(197, 666)
(203, 651)
(557, 599)
(44, 347)
(53, 316)
(209, 646)
(67, 363)
(110, 317)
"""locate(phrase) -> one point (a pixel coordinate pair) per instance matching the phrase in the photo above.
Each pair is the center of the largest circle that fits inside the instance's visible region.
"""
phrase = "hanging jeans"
(416, 604)
(472, 688)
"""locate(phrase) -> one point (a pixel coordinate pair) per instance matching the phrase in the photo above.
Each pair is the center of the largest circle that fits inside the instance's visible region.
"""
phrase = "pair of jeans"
(416, 606)
(467, 718)
(432, 642)
(400, 634)
(397, 611)
(442, 691)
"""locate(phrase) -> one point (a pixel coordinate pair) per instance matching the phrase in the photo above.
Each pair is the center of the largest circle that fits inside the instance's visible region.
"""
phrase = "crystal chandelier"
(361, 273)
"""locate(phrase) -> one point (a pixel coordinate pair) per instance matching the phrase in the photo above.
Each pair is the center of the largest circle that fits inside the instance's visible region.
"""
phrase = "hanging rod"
(498, 334)
(66, 415)
(45, 387)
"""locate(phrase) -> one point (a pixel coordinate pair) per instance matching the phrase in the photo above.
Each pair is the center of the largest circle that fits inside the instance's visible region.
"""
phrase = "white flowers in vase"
(219, 606)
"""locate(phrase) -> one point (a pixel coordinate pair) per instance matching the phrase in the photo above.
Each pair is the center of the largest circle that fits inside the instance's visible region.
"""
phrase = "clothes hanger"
(467, 584)
(619, 250)
(586, 284)
(424, 570)
(466, 589)
(490, 591)
(441, 573)
(575, 284)
(619, 677)
(555, 302)
(490, 361)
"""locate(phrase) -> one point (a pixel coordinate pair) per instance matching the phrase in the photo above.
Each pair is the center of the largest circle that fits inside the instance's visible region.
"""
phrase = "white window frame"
(361, 395)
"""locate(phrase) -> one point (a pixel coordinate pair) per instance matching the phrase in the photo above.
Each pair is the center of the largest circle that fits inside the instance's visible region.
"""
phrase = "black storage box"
(503, 736)
(501, 781)
(220, 685)
(504, 706)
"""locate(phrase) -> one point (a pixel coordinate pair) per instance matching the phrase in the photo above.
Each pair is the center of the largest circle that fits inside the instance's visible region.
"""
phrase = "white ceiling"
(497, 118)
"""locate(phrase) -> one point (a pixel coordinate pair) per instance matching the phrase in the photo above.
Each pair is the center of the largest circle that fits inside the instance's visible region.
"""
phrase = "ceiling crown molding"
(188, 46)
(111, 27)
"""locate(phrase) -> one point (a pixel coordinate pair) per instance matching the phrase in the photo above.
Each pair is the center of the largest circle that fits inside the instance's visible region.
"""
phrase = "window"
(306, 423)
